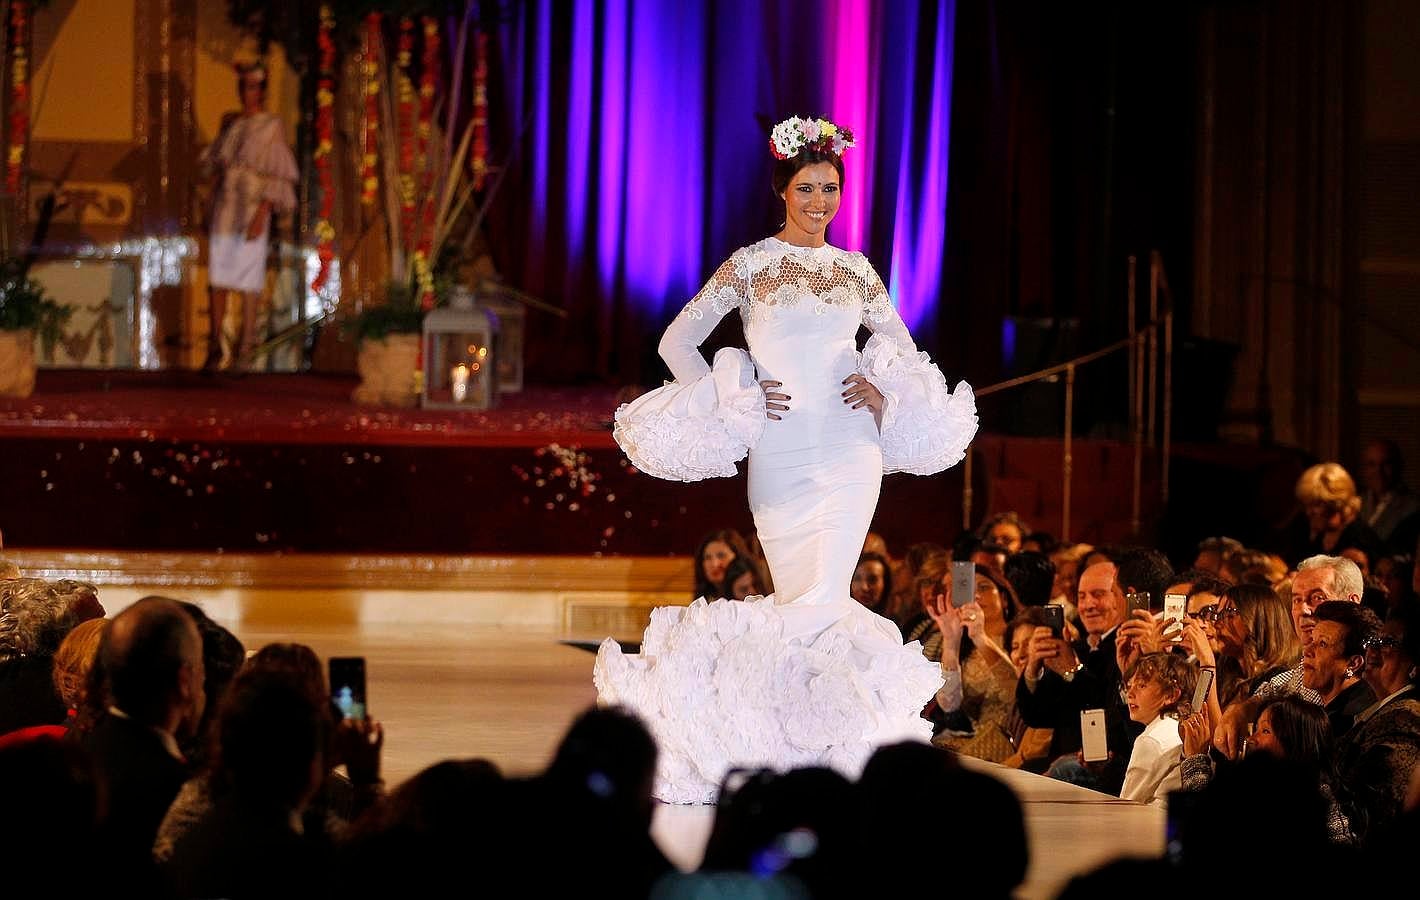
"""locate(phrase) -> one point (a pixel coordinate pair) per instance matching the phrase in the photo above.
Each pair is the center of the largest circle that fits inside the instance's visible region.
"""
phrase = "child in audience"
(1159, 688)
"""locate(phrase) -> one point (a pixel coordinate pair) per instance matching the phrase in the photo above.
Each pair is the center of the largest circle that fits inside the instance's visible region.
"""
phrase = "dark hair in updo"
(785, 169)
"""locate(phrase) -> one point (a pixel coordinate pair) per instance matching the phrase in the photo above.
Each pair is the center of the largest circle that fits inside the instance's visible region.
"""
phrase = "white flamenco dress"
(805, 676)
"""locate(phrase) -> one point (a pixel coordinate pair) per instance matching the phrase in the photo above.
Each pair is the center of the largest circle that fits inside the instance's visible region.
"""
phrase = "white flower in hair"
(788, 137)
(794, 134)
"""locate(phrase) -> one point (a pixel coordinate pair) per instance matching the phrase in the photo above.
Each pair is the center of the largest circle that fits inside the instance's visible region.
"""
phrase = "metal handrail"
(1143, 345)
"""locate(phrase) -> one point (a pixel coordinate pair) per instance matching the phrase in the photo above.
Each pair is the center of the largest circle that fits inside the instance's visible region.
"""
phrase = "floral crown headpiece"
(795, 134)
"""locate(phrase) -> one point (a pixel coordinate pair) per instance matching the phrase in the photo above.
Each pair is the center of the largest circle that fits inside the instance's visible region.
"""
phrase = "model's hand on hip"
(774, 401)
(861, 393)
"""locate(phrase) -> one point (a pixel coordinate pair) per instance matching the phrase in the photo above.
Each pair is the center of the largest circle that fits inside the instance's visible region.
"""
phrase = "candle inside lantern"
(458, 378)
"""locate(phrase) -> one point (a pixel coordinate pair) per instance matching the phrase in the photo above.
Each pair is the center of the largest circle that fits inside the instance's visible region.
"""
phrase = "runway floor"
(509, 694)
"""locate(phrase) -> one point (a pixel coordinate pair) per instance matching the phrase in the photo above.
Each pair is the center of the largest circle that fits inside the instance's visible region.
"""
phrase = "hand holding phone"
(347, 685)
(1055, 619)
(1137, 600)
(1174, 608)
(1200, 691)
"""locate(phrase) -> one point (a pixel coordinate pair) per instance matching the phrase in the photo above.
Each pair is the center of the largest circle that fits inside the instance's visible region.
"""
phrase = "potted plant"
(388, 360)
(25, 311)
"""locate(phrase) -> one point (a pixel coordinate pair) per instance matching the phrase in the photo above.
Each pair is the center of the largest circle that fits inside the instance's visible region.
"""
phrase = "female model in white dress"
(805, 676)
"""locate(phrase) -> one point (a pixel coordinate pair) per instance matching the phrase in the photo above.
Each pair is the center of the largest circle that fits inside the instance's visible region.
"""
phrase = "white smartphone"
(1200, 691)
(1093, 741)
(1174, 607)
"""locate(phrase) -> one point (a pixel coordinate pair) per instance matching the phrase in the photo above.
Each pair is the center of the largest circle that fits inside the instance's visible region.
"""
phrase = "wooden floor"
(508, 695)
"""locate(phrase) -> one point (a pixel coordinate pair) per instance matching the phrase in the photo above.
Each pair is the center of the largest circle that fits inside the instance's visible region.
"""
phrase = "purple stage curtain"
(638, 139)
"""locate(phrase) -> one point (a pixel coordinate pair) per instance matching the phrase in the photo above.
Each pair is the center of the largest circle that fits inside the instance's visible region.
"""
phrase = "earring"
(1350, 672)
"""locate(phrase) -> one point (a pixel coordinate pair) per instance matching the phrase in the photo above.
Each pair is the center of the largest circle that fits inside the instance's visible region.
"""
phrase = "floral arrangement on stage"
(325, 142)
(795, 134)
(19, 96)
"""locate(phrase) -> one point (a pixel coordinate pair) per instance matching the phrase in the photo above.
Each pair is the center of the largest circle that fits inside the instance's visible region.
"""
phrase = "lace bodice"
(766, 280)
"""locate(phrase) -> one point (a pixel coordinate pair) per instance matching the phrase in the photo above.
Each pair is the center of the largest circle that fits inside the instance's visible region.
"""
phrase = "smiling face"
(1099, 602)
(1388, 667)
(810, 203)
(1006, 536)
(1263, 738)
(1147, 697)
(1019, 640)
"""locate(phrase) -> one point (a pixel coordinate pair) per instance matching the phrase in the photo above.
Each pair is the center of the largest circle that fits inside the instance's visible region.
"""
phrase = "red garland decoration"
(325, 136)
(406, 127)
(19, 96)
(479, 161)
(370, 121)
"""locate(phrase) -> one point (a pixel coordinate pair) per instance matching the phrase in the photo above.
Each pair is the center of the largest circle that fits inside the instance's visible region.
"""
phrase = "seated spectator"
(1330, 519)
(356, 744)
(1061, 679)
(714, 554)
(971, 711)
(741, 580)
(1380, 753)
(596, 804)
(1005, 531)
(74, 666)
(904, 582)
(1031, 745)
(448, 817)
(222, 655)
(872, 585)
(796, 828)
(1031, 575)
(1042, 542)
(1333, 660)
(915, 800)
(1287, 727)
(1213, 551)
(270, 741)
(1253, 567)
(35, 617)
(995, 602)
(1254, 639)
(1386, 501)
(1160, 686)
(1392, 576)
(151, 655)
(48, 829)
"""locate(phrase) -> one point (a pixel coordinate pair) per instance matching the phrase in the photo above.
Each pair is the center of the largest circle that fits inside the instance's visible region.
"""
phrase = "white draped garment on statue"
(805, 676)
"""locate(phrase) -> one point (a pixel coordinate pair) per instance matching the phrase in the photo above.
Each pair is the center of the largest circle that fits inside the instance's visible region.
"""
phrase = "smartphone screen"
(1200, 691)
(1174, 606)
(1055, 618)
(1093, 742)
(963, 583)
(347, 685)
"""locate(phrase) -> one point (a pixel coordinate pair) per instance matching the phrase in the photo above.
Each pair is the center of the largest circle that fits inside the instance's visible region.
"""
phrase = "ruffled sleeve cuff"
(925, 427)
(699, 429)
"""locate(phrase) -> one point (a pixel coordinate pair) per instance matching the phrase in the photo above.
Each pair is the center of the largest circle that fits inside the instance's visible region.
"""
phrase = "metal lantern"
(459, 359)
(512, 324)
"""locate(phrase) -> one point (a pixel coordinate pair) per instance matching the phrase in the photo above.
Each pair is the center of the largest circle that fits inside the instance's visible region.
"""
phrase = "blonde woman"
(1330, 519)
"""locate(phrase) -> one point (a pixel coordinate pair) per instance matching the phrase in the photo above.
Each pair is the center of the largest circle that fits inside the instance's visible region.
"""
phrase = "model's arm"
(680, 345)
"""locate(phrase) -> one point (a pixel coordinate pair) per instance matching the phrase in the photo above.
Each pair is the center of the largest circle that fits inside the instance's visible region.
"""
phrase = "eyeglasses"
(1380, 642)
(1214, 613)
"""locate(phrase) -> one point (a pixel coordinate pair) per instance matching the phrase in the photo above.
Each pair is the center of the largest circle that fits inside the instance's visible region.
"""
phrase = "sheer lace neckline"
(799, 248)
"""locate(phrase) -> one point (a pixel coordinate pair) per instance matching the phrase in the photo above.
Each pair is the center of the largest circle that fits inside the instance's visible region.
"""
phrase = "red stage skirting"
(288, 462)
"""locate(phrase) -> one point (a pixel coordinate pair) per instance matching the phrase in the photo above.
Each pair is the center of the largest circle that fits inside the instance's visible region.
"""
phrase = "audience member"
(48, 827)
(1042, 542)
(1330, 519)
(151, 655)
(1256, 643)
(269, 761)
(915, 804)
(222, 655)
(1386, 501)
(1031, 746)
(872, 585)
(35, 617)
(1213, 551)
(1379, 755)
(971, 711)
(714, 554)
(74, 666)
(1031, 575)
(1334, 658)
(1159, 687)
(1290, 728)
(1060, 680)
(1392, 576)
(1005, 531)
(904, 582)
(741, 579)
